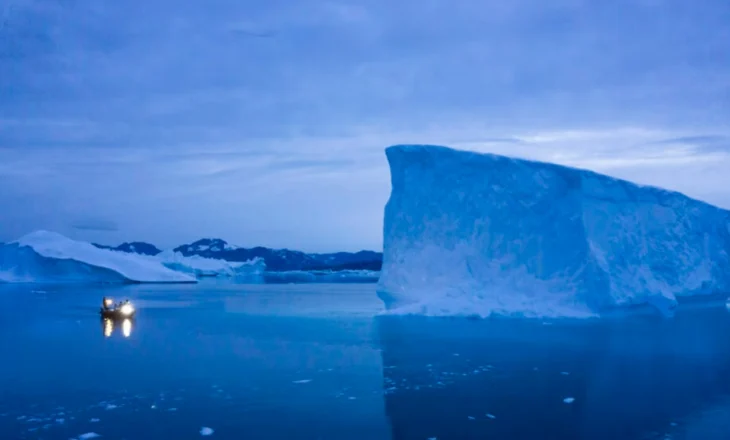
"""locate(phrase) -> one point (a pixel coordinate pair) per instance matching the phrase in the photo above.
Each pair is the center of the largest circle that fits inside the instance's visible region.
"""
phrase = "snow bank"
(478, 234)
(210, 267)
(50, 257)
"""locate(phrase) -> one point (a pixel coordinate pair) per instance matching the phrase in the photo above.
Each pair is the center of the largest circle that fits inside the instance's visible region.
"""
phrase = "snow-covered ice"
(322, 276)
(209, 267)
(44, 256)
(205, 431)
(569, 400)
(49, 257)
(480, 234)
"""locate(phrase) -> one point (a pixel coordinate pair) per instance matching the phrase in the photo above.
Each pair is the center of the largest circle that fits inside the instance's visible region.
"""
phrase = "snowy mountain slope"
(44, 256)
(275, 259)
(282, 259)
(469, 233)
(135, 247)
(50, 257)
(209, 267)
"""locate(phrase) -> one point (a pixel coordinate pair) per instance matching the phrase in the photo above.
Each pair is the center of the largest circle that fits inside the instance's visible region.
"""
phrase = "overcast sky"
(264, 123)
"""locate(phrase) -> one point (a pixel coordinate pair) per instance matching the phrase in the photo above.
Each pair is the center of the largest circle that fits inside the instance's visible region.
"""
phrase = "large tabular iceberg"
(44, 256)
(477, 234)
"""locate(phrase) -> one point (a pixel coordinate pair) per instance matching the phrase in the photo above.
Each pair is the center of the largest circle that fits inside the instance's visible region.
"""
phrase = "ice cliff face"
(477, 234)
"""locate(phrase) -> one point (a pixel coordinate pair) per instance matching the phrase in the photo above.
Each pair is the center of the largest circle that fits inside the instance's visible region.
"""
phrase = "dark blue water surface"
(315, 362)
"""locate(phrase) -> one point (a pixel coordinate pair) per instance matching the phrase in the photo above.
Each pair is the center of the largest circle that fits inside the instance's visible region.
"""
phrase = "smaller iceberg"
(201, 267)
(48, 257)
(322, 276)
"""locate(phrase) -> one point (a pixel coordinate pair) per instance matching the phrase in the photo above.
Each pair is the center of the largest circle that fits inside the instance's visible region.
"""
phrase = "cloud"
(95, 224)
(700, 144)
(225, 117)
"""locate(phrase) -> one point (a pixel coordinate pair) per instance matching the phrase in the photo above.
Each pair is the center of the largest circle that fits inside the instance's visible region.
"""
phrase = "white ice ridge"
(210, 267)
(477, 234)
(44, 256)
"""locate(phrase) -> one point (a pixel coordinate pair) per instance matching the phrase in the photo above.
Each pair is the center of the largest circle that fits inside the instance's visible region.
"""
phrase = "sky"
(265, 123)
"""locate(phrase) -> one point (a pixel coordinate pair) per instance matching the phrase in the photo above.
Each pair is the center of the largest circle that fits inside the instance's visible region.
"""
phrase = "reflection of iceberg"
(476, 234)
(630, 378)
(209, 267)
(49, 257)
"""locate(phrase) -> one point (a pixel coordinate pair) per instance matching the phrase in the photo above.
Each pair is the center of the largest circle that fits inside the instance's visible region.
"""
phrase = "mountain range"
(276, 259)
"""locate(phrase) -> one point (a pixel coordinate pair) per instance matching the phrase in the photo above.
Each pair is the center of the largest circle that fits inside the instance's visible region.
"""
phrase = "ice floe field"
(306, 361)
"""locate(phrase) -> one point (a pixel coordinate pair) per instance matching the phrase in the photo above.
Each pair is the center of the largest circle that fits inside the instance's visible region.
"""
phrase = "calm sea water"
(315, 362)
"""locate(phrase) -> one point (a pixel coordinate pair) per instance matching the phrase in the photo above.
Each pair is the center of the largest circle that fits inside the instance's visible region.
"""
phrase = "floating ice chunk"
(110, 406)
(89, 436)
(491, 416)
(205, 431)
(302, 381)
(471, 418)
(569, 400)
(565, 373)
(351, 398)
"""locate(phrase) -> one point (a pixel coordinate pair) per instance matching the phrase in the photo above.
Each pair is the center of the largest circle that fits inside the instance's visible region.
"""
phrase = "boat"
(123, 310)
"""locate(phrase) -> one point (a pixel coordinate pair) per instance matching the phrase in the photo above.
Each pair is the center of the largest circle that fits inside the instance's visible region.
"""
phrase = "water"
(314, 362)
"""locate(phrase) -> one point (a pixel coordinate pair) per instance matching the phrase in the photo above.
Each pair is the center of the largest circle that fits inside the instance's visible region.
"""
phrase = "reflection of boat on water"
(109, 325)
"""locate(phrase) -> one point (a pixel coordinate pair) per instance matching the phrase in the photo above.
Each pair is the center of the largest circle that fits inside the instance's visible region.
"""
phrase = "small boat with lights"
(122, 310)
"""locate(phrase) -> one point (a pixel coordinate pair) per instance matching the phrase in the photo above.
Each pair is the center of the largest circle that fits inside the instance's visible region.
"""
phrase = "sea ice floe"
(205, 431)
(302, 381)
(491, 416)
(569, 400)
(89, 436)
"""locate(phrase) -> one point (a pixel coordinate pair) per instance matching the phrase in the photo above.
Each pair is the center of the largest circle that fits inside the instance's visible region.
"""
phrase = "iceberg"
(209, 267)
(480, 234)
(322, 276)
(43, 257)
